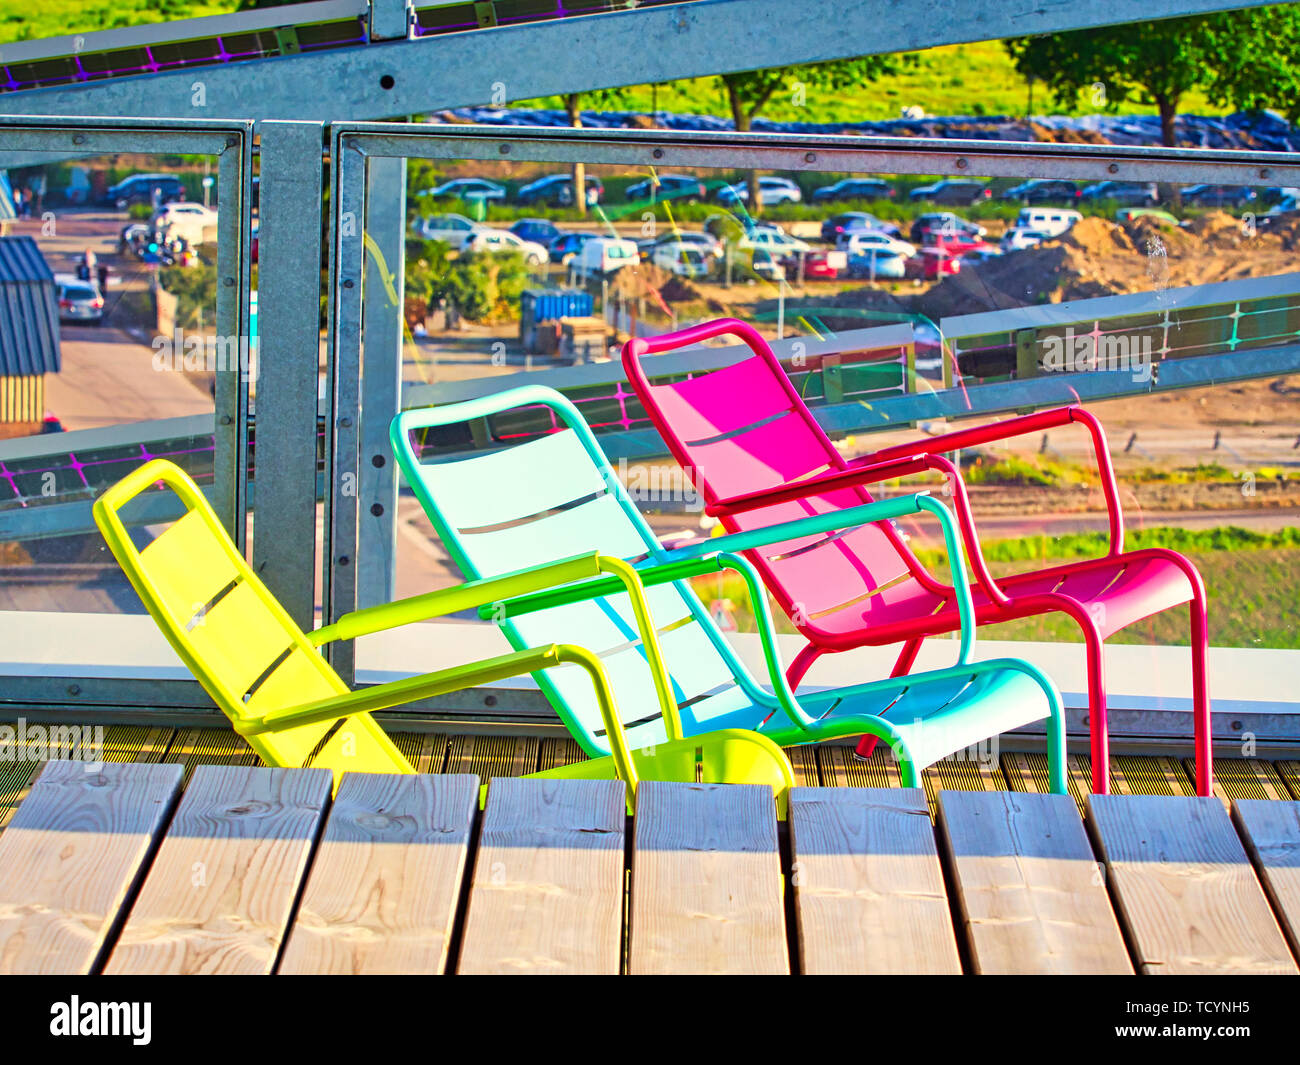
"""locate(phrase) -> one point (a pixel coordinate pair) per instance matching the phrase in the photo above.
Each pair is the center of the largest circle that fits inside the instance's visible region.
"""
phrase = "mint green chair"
(555, 494)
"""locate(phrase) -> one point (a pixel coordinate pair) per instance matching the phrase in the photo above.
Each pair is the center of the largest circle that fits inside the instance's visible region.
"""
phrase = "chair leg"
(802, 663)
(1201, 697)
(903, 666)
(1097, 708)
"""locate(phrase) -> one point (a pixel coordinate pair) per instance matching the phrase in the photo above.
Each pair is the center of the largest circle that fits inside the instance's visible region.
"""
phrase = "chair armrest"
(452, 600)
(1044, 419)
(457, 678)
(700, 556)
(830, 481)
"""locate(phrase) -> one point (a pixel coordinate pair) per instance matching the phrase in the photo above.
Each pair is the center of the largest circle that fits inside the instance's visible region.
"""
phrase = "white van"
(605, 255)
(1046, 220)
(684, 260)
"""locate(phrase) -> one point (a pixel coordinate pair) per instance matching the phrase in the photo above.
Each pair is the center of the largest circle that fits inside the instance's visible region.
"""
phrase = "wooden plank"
(426, 751)
(1032, 897)
(706, 881)
(28, 750)
(193, 747)
(803, 760)
(962, 774)
(868, 888)
(1242, 778)
(559, 751)
(492, 756)
(1028, 772)
(1271, 832)
(220, 891)
(841, 768)
(547, 893)
(386, 877)
(1289, 771)
(1184, 887)
(70, 859)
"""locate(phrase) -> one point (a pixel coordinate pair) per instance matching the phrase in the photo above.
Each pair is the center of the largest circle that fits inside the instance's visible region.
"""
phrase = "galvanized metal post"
(381, 381)
(389, 19)
(230, 382)
(289, 258)
(343, 394)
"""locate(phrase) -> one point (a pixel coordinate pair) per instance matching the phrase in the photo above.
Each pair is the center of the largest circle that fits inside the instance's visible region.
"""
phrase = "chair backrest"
(239, 643)
(744, 428)
(551, 497)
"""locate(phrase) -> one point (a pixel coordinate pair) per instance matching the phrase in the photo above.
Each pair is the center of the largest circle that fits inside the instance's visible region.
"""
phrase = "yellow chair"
(268, 677)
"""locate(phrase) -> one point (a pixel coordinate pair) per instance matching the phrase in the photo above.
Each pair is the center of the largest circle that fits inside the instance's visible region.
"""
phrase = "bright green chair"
(281, 695)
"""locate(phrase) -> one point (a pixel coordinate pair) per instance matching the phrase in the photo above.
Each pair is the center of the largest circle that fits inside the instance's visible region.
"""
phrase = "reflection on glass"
(896, 303)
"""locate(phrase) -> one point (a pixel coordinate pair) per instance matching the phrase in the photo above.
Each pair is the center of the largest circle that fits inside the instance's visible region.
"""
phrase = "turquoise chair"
(556, 494)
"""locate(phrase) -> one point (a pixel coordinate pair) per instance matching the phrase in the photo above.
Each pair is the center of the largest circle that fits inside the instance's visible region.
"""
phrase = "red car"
(933, 263)
(817, 265)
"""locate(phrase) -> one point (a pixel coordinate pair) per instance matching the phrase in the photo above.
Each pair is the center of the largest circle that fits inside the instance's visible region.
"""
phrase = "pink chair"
(758, 457)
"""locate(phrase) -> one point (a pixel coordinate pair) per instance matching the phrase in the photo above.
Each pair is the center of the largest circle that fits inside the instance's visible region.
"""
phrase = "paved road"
(108, 379)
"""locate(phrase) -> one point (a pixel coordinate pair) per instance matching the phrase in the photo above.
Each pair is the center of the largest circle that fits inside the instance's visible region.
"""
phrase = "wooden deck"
(178, 855)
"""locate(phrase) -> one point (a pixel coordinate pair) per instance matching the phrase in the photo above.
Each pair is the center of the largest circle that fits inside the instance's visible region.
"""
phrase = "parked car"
(567, 246)
(1216, 195)
(935, 263)
(602, 256)
(538, 230)
(139, 188)
(468, 189)
(837, 225)
(855, 240)
(1018, 238)
(1131, 214)
(774, 239)
(684, 260)
(79, 301)
(1047, 220)
(874, 263)
(1123, 193)
(499, 240)
(817, 265)
(854, 189)
(944, 222)
(952, 190)
(453, 229)
(191, 222)
(1043, 190)
(667, 187)
(771, 191)
(556, 190)
(706, 242)
(766, 266)
(1276, 194)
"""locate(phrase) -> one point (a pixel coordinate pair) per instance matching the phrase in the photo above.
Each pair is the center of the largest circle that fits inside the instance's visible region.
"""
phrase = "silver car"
(81, 302)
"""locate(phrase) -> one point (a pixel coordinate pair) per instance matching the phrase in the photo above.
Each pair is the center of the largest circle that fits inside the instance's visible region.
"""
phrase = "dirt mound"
(1067, 136)
(679, 290)
(1096, 236)
(1048, 273)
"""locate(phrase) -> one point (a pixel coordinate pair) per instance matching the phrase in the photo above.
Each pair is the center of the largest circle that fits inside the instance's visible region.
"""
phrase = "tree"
(749, 91)
(599, 98)
(1239, 58)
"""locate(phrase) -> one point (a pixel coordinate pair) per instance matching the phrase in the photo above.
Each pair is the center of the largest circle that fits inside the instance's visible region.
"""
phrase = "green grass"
(1251, 578)
(21, 20)
(969, 79)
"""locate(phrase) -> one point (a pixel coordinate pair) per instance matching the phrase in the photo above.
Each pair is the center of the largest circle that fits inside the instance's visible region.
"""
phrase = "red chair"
(758, 457)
